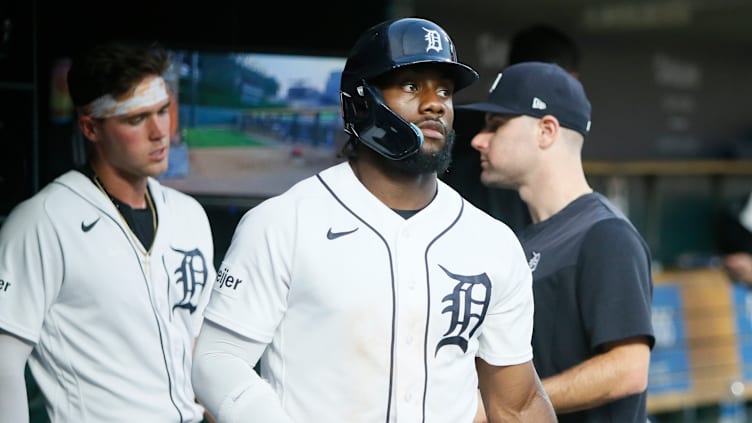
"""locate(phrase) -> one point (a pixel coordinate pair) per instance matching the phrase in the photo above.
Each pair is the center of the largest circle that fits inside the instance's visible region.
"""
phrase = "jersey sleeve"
(615, 286)
(250, 292)
(508, 326)
(31, 269)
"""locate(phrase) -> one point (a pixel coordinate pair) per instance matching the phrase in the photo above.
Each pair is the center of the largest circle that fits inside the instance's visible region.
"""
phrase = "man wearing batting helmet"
(372, 292)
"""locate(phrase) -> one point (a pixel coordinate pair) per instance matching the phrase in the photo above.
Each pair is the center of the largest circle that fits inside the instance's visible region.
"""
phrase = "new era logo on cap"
(538, 104)
(538, 89)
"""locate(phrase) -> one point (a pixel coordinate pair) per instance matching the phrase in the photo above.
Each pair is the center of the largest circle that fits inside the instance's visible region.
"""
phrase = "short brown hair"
(113, 68)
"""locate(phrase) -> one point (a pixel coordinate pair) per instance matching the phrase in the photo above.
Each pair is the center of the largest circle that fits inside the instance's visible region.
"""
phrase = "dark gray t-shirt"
(592, 284)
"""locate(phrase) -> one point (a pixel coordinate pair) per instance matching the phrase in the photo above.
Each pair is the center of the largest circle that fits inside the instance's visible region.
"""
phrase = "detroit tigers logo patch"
(433, 40)
(534, 260)
(191, 275)
(467, 305)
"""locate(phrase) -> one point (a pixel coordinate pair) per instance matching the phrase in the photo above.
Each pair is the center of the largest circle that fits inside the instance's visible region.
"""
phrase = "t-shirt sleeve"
(615, 286)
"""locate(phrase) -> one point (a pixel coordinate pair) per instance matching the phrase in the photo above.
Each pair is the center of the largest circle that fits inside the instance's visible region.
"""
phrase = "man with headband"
(105, 273)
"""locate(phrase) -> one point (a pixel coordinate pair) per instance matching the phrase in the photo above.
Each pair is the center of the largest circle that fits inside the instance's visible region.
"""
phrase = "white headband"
(144, 95)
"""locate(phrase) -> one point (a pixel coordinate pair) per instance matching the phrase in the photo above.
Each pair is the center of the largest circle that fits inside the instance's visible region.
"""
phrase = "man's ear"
(88, 127)
(548, 126)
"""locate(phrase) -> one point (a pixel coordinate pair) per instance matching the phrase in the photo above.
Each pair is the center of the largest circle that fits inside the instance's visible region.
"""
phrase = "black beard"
(421, 162)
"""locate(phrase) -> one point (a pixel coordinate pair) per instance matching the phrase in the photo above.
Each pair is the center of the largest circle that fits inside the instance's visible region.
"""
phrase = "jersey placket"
(411, 297)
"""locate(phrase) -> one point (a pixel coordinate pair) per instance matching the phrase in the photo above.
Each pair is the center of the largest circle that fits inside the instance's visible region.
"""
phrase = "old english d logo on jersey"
(191, 276)
(467, 305)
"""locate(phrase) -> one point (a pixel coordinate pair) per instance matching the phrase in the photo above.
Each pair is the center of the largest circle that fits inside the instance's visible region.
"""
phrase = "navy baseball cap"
(537, 89)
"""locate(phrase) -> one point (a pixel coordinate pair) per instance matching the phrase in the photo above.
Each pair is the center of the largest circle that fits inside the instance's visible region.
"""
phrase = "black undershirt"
(140, 221)
(406, 214)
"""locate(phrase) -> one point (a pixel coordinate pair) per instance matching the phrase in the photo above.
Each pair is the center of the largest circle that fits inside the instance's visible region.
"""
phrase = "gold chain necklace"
(149, 202)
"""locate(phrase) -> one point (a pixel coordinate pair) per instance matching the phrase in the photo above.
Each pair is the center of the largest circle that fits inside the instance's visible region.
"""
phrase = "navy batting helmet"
(381, 49)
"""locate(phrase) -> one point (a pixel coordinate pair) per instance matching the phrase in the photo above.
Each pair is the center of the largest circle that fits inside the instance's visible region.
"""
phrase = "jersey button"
(408, 397)
(409, 339)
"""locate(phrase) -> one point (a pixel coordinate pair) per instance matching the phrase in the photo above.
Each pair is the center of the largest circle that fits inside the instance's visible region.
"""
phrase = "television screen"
(250, 125)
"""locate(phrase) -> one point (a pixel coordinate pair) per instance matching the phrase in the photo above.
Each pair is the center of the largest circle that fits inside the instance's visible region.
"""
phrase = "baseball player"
(591, 268)
(105, 272)
(368, 290)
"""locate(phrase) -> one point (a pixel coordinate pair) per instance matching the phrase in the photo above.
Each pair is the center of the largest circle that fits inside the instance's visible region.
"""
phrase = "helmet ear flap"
(353, 108)
(348, 110)
(368, 118)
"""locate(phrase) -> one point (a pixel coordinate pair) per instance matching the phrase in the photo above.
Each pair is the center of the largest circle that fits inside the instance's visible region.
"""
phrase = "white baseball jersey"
(113, 326)
(370, 317)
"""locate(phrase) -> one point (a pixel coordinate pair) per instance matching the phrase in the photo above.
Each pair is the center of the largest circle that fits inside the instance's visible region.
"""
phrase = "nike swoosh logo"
(335, 235)
(87, 228)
